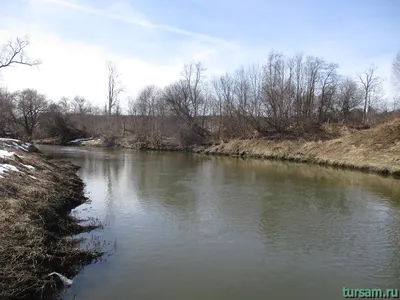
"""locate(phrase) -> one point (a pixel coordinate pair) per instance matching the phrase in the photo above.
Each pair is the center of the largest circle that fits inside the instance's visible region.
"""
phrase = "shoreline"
(383, 170)
(219, 150)
(37, 196)
(374, 150)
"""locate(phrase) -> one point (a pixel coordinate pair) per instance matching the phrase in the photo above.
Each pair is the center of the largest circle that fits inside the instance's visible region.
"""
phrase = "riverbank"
(36, 196)
(372, 150)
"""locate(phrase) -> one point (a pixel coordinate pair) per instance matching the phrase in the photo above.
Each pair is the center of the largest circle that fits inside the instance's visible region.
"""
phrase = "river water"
(190, 227)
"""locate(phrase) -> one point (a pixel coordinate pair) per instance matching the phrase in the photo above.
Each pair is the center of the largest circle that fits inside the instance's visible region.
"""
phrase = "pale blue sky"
(150, 39)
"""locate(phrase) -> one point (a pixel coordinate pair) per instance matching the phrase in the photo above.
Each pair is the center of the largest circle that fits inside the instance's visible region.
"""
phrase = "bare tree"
(224, 104)
(132, 106)
(149, 111)
(396, 103)
(95, 110)
(146, 100)
(64, 104)
(13, 53)
(299, 86)
(176, 97)
(313, 70)
(329, 81)
(186, 99)
(370, 83)
(276, 102)
(118, 109)
(255, 79)
(396, 76)
(349, 96)
(244, 97)
(6, 112)
(57, 124)
(28, 107)
(193, 81)
(114, 87)
(80, 106)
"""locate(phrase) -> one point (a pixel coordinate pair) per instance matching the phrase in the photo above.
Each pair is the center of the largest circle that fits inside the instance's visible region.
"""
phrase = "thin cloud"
(143, 22)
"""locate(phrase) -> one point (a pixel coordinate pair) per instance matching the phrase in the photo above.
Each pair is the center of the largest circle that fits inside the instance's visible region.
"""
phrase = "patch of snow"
(29, 167)
(81, 140)
(16, 144)
(1, 177)
(24, 147)
(7, 167)
(4, 153)
(77, 140)
(33, 177)
(9, 140)
(66, 281)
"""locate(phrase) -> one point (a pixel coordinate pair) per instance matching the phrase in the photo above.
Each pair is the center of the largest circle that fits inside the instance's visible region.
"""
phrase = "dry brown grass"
(33, 221)
(48, 141)
(93, 143)
(375, 150)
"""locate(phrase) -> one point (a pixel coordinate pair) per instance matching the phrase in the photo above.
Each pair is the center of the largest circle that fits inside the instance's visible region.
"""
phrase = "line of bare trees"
(282, 95)
(285, 94)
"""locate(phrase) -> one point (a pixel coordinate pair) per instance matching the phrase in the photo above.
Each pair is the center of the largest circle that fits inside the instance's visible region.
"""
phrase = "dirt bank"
(36, 196)
(373, 150)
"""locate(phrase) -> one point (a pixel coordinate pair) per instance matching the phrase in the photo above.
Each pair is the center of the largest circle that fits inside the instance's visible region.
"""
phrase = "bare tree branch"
(114, 86)
(13, 53)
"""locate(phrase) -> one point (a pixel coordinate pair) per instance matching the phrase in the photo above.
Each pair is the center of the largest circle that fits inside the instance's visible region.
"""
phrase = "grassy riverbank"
(373, 150)
(36, 196)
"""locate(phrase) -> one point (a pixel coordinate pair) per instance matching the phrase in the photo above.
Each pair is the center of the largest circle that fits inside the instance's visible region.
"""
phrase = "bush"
(57, 125)
(188, 136)
(110, 140)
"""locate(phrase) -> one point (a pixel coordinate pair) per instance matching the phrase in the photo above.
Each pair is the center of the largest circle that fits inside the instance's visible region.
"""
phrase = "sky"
(149, 40)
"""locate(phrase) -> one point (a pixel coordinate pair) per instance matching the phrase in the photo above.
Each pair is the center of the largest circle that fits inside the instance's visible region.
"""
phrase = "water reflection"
(199, 227)
(316, 175)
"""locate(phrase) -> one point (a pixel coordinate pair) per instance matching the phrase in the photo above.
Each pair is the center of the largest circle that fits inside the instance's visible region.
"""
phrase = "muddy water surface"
(185, 227)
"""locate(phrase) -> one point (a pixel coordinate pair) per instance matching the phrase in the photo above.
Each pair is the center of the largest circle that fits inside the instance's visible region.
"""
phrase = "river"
(186, 226)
